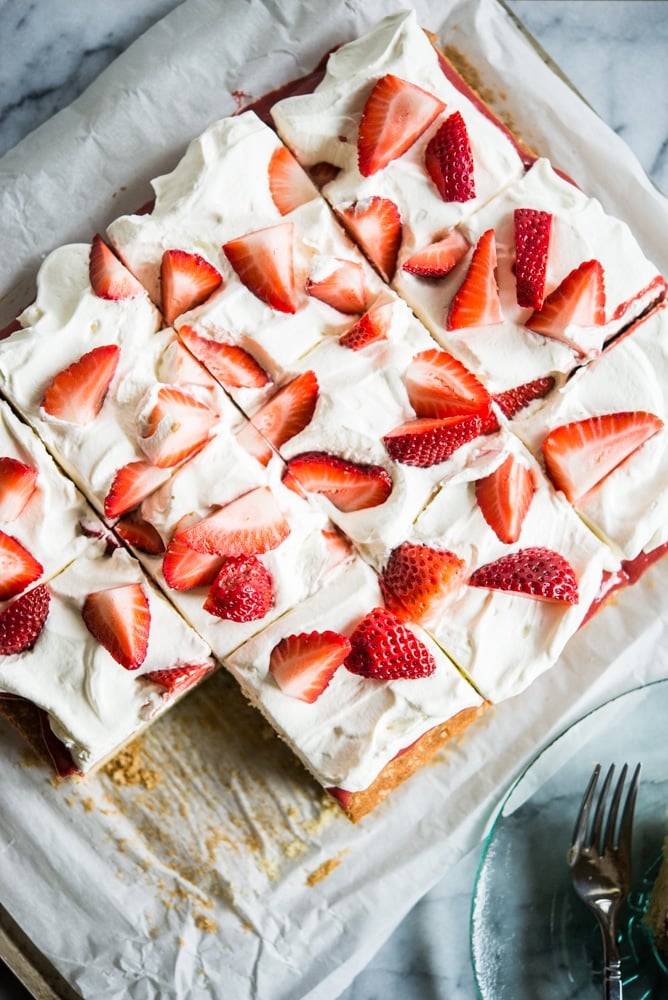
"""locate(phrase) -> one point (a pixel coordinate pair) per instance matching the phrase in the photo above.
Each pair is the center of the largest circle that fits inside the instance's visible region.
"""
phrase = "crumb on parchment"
(325, 869)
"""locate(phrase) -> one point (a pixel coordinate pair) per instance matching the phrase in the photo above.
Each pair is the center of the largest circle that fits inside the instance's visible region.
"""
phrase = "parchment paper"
(208, 864)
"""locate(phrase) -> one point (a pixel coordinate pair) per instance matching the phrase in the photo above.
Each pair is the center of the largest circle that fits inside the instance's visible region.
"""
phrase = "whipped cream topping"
(93, 703)
(357, 725)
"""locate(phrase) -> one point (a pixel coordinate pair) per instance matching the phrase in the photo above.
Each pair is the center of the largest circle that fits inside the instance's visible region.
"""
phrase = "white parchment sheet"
(217, 869)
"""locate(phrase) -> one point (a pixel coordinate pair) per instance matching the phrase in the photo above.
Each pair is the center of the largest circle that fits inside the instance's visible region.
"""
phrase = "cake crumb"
(204, 923)
(88, 805)
(127, 768)
(325, 869)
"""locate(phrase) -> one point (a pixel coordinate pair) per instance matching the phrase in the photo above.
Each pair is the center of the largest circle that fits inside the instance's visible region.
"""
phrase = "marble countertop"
(614, 54)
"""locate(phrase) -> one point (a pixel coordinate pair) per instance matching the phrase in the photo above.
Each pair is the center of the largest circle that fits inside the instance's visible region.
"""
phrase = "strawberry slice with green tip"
(264, 263)
(243, 590)
(579, 455)
(108, 277)
(427, 441)
(289, 184)
(18, 482)
(449, 162)
(140, 534)
(228, 363)
(22, 621)
(120, 619)
(477, 302)
(375, 224)
(532, 246)
(394, 117)
(439, 258)
(417, 580)
(287, 413)
(578, 301)
(341, 285)
(77, 393)
(383, 648)
(131, 484)
(249, 525)
(439, 385)
(186, 281)
(511, 401)
(304, 663)
(176, 680)
(504, 497)
(373, 326)
(348, 485)
(185, 569)
(534, 572)
(18, 567)
(177, 427)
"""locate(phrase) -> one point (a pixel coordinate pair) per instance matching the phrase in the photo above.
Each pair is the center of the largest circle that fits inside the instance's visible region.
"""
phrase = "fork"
(600, 863)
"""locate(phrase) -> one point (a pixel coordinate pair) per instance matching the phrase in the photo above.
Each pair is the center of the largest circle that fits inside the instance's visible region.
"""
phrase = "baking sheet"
(206, 864)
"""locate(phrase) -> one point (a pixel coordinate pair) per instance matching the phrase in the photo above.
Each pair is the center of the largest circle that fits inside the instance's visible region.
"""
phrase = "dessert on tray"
(656, 918)
(381, 449)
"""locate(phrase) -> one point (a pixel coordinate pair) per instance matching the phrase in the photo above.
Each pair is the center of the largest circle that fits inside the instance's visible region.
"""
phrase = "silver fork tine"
(626, 825)
(595, 839)
(610, 839)
(580, 829)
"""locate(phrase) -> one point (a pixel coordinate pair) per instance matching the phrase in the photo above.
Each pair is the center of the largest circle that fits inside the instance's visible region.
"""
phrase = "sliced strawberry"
(438, 259)
(120, 619)
(243, 590)
(18, 568)
(109, 278)
(140, 534)
(289, 184)
(249, 525)
(264, 263)
(22, 621)
(374, 325)
(428, 441)
(579, 455)
(449, 161)
(177, 427)
(395, 115)
(511, 401)
(288, 412)
(303, 664)
(230, 364)
(438, 385)
(579, 301)
(18, 482)
(180, 678)
(342, 286)
(382, 647)
(532, 245)
(535, 572)
(348, 485)
(476, 302)
(186, 281)
(76, 394)
(178, 366)
(184, 569)
(339, 548)
(504, 497)
(60, 756)
(417, 580)
(375, 224)
(131, 484)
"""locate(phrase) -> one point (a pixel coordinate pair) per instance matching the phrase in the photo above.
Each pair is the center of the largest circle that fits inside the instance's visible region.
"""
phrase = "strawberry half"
(375, 224)
(511, 401)
(382, 647)
(428, 441)
(249, 525)
(264, 263)
(417, 580)
(289, 184)
(120, 619)
(76, 394)
(342, 288)
(303, 664)
(243, 590)
(176, 427)
(532, 245)
(504, 497)
(579, 455)
(178, 679)
(438, 385)
(22, 621)
(18, 568)
(140, 534)
(230, 364)
(438, 259)
(18, 482)
(183, 568)
(449, 161)
(131, 484)
(477, 302)
(395, 115)
(348, 485)
(287, 413)
(535, 572)
(374, 325)
(109, 278)
(579, 301)
(186, 281)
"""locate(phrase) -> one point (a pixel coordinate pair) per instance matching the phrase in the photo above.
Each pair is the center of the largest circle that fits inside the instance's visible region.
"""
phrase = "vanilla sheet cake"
(318, 422)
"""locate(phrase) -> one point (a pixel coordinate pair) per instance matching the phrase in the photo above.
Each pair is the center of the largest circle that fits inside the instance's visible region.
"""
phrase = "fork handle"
(612, 966)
